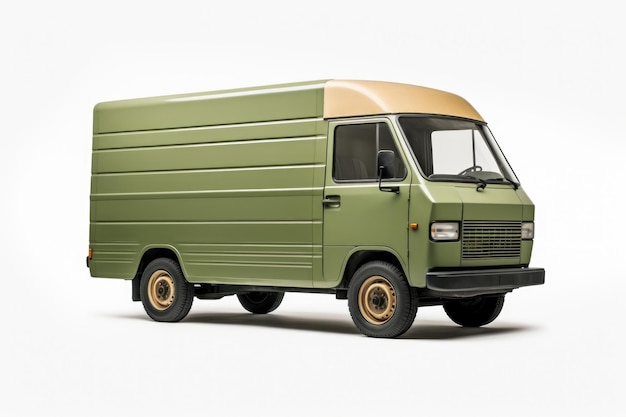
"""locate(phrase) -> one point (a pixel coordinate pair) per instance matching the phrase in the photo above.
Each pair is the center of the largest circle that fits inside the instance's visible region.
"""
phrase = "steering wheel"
(471, 169)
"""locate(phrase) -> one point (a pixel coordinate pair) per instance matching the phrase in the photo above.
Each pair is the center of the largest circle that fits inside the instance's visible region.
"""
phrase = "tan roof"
(345, 98)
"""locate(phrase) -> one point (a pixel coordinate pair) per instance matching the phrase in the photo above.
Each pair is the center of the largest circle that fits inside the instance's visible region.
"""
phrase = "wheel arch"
(149, 254)
(362, 256)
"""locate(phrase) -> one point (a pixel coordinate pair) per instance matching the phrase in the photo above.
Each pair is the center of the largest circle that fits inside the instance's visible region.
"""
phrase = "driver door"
(357, 214)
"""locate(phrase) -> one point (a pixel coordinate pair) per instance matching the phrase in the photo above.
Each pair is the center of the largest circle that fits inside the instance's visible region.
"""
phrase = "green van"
(389, 195)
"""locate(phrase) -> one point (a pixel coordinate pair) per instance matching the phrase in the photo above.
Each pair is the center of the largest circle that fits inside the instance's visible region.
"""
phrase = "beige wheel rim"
(161, 290)
(377, 300)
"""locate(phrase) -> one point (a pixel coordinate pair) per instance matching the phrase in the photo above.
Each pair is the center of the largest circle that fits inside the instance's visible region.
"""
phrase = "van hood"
(493, 203)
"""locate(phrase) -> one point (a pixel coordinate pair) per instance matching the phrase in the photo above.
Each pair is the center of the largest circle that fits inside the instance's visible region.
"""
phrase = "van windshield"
(449, 149)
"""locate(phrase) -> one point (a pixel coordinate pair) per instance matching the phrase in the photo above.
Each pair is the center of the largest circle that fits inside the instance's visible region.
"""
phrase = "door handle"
(331, 201)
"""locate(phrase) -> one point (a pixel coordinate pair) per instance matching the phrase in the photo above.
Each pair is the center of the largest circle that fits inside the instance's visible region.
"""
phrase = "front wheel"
(381, 302)
(165, 293)
(260, 302)
(475, 312)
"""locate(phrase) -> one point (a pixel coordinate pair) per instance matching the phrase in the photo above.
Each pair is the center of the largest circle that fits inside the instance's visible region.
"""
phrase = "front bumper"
(467, 283)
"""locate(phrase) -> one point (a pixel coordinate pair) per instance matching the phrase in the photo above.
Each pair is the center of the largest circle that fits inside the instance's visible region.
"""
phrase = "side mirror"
(386, 161)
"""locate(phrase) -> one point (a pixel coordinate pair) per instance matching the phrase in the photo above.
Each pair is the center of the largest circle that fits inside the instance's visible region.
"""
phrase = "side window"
(356, 148)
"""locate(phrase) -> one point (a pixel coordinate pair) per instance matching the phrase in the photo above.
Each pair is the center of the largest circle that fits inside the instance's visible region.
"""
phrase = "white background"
(547, 75)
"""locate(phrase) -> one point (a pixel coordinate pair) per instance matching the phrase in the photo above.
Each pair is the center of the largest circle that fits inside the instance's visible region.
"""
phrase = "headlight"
(445, 231)
(528, 230)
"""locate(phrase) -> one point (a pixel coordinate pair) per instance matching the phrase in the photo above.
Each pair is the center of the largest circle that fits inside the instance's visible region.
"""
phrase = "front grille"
(484, 239)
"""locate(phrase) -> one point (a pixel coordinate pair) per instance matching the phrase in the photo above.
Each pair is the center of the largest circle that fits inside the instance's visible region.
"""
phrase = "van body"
(391, 195)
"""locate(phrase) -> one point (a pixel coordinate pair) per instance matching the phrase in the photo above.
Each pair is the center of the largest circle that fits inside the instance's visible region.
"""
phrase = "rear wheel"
(475, 312)
(260, 302)
(165, 293)
(381, 302)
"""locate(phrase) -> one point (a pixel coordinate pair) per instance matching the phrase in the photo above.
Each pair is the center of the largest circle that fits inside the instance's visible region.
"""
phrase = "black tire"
(165, 293)
(260, 302)
(380, 300)
(475, 312)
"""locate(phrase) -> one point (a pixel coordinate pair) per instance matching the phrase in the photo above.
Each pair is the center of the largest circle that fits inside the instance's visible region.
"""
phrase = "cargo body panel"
(233, 201)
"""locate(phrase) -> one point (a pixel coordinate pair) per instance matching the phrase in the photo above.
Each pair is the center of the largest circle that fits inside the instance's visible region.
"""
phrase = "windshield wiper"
(505, 179)
(482, 184)
(462, 178)
(513, 183)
